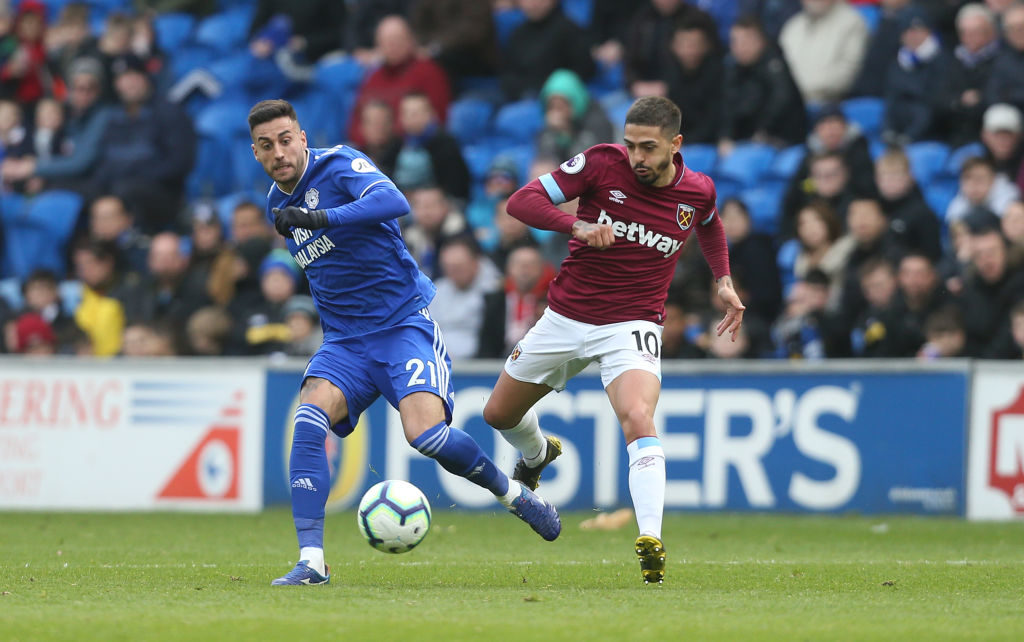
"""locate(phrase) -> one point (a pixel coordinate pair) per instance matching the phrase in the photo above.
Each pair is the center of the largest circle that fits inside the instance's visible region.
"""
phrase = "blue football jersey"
(361, 275)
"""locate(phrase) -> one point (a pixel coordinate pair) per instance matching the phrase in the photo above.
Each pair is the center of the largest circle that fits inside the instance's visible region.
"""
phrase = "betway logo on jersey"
(317, 248)
(638, 233)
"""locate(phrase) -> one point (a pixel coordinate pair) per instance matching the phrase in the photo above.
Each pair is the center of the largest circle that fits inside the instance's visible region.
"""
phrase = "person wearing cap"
(969, 71)
(911, 109)
(148, 148)
(1002, 135)
(824, 45)
(1006, 84)
(573, 121)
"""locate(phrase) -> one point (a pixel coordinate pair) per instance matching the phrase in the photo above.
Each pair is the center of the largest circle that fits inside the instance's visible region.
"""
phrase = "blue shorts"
(394, 362)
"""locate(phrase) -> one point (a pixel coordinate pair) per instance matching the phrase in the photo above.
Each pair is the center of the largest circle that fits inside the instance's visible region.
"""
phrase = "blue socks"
(460, 455)
(310, 476)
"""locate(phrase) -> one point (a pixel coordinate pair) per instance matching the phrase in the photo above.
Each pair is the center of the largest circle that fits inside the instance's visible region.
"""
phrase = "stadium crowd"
(868, 158)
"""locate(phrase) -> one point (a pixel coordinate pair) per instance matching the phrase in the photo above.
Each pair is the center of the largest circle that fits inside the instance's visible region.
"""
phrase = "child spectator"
(981, 186)
(945, 335)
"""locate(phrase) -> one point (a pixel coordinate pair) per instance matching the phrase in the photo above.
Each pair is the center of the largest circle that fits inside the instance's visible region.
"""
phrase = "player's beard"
(652, 176)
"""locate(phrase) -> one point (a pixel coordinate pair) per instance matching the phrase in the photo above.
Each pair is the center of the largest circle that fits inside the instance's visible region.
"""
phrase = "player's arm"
(380, 202)
(711, 236)
(534, 204)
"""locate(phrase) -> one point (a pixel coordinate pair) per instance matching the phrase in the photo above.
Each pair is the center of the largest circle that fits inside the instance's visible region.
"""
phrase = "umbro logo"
(304, 483)
(617, 196)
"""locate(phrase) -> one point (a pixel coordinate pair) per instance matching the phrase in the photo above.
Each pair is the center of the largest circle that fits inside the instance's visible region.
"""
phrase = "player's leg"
(510, 410)
(634, 396)
(321, 405)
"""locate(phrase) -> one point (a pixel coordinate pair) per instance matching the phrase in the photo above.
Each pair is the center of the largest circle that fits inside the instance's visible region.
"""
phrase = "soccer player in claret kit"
(638, 204)
(339, 215)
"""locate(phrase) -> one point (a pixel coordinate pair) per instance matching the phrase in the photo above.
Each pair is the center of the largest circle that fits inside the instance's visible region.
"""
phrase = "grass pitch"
(488, 577)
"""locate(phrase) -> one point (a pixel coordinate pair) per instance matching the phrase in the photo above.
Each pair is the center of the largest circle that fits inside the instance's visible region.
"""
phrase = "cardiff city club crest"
(312, 198)
(685, 215)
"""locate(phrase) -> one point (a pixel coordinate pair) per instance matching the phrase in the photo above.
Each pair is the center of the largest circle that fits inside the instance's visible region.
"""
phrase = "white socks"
(647, 483)
(514, 489)
(314, 559)
(528, 439)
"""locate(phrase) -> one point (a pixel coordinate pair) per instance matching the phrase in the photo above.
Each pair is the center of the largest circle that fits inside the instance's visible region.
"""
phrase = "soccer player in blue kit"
(339, 215)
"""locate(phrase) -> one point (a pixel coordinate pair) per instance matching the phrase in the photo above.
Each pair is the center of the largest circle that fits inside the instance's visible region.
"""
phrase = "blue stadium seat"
(226, 31)
(871, 14)
(223, 118)
(927, 158)
(324, 116)
(338, 75)
(959, 155)
(226, 204)
(867, 112)
(519, 121)
(579, 11)
(700, 158)
(219, 126)
(617, 114)
(246, 173)
(211, 176)
(876, 148)
(786, 262)
(746, 164)
(233, 71)
(506, 21)
(469, 119)
(523, 155)
(173, 30)
(939, 193)
(190, 57)
(607, 79)
(10, 291)
(764, 203)
(478, 159)
(70, 293)
(38, 231)
(786, 162)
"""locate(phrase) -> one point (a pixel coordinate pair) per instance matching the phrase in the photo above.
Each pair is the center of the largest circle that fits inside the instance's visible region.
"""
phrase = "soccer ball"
(394, 516)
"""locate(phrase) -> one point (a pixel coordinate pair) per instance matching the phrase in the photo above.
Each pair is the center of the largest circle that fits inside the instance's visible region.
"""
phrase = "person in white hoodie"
(824, 45)
(981, 186)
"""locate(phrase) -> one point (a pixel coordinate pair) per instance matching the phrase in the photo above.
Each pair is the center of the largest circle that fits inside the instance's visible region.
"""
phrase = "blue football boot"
(540, 515)
(303, 574)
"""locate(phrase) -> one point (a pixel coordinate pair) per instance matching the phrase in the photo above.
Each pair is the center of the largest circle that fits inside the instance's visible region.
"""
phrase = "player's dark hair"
(268, 110)
(656, 111)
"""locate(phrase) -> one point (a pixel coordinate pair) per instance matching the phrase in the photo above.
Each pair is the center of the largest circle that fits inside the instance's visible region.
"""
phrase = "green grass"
(488, 577)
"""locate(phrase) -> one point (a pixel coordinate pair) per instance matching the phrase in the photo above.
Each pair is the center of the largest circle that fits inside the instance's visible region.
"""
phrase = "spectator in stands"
(649, 37)
(609, 28)
(981, 186)
(510, 234)
(828, 180)
(248, 222)
(912, 223)
(263, 326)
(364, 18)
(402, 71)
(114, 42)
(969, 71)
(573, 122)
(207, 240)
(99, 314)
(547, 41)
(169, 292)
(912, 111)
(760, 100)
(695, 82)
(874, 332)
(882, 47)
(429, 155)
(832, 133)
(25, 75)
(458, 34)
(297, 34)
(15, 141)
(208, 331)
(869, 230)
(70, 38)
(510, 312)
(111, 222)
(86, 123)
(377, 129)
(806, 330)
(945, 335)
(920, 295)
(234, 274)
(1003, 140)
(822, 247)
(680, 330)
(458, 307)
(149, 340)
(752, 260)
(148, 148)
(433, 221)
(824, 45)
(773, 14)
(33, 336)
(994, 284)
(301, 317)
(1017, 327)
(41, 295)
(1012, 224)
(501, 181)
(1006, 84)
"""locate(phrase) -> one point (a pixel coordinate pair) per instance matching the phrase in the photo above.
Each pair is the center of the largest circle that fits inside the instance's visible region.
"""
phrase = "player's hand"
(594, 234)
(733, 309)
(291, 216)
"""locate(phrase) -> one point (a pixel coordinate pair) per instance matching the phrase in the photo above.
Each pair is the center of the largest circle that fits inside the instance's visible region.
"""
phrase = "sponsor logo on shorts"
(685, 214)
(516, 351)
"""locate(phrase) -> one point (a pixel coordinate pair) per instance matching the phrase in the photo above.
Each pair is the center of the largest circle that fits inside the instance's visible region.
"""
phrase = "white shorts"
(557, 349)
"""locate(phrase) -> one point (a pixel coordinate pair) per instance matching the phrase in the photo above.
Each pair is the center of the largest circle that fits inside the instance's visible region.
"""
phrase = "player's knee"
(638, 421)
(497, 417)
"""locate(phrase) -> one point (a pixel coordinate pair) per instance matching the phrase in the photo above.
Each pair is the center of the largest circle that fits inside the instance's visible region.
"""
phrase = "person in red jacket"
(24, 74)
(402, 71)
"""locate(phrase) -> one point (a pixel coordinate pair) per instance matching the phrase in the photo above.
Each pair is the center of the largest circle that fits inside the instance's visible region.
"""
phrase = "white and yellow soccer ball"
(394, 516)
